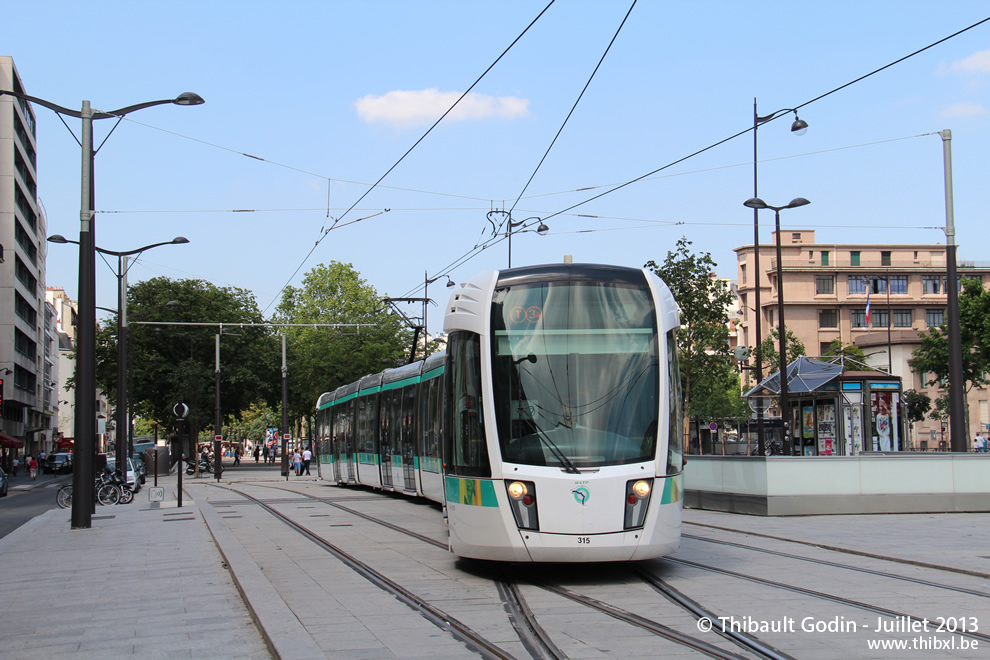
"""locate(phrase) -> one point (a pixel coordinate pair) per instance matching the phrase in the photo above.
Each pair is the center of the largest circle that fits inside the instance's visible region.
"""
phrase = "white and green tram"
(549, 428)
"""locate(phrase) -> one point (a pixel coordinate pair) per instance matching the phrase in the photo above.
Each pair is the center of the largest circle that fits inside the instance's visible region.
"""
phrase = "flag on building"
(868, 305)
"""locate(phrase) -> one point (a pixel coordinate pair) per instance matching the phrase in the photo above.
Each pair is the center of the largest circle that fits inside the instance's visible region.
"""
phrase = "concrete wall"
(817, 485)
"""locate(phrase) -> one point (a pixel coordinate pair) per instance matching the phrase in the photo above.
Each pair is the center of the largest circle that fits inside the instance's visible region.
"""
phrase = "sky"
(308, 104)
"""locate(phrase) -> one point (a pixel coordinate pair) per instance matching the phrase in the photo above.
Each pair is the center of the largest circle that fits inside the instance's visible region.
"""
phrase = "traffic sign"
(287, 436)
(713, 426)
(218, 438)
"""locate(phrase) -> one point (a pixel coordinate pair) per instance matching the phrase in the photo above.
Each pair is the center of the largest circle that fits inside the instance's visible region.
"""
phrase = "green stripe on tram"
(400, 383)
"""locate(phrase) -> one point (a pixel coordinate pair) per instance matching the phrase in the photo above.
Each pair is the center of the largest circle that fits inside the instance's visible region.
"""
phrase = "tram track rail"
(441, 619)
(875, 609)
(534, 637)
(848, 551)
(825, 562)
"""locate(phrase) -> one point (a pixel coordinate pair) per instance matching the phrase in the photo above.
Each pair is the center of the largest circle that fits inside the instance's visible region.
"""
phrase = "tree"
(768, 349)
(322, 359)
(703, 339)
(172, 364)
(932, 357)
(918, 404)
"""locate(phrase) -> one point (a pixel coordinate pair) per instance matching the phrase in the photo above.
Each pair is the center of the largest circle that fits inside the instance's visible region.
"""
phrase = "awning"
(10, 442)
(803, 375)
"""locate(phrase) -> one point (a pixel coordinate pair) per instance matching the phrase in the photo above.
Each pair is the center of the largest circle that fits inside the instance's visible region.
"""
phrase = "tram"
(549, 428)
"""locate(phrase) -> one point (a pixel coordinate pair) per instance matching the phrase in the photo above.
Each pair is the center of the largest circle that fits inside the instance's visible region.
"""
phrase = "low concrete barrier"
(816, 485)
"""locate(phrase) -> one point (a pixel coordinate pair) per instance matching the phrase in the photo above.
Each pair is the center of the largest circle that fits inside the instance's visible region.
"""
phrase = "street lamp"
(511, 224)
(85, 427)
(121, 427)
(427, 281)
(799, 127)
(756, 204)
(957, 403)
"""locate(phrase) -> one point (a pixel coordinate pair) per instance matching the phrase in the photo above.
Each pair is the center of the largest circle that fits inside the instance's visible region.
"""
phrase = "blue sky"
(331, 94)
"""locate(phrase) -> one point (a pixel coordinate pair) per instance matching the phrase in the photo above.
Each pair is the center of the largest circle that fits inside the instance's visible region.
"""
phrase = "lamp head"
(57, 238)
(796, 202)
(755, 203)
(179, 240)
(542, 229)
(188, 98)
(800, 126)
(450, 282)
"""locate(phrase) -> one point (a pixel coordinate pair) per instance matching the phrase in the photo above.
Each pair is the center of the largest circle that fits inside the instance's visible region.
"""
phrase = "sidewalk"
(142, 581)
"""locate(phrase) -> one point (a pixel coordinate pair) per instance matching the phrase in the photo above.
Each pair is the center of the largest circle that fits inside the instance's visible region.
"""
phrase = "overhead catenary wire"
(571, 112)
(415, 144)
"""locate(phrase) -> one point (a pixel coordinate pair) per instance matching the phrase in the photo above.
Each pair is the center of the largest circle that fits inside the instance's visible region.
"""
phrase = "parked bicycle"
(109, 487)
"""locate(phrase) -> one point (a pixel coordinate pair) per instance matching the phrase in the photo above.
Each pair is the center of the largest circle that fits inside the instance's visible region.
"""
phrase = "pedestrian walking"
(33, 466)
(307, 456)
(257, 453)
(14, 466)
(979, 443)
(237, 457)
(297, 462)
(271, 453)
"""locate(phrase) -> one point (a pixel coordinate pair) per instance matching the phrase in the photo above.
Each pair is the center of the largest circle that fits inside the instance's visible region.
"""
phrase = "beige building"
(827, 289)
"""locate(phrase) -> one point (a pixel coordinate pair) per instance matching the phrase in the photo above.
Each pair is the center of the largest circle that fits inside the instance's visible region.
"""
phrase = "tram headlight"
(637, 502)
(517, 490)
(522, 501)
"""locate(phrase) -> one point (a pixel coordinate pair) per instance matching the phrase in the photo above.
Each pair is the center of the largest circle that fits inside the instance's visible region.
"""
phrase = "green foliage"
(932, 357)
(703, 339)
(172, 364)
(771, 359)
(322, 359)
(918, 404)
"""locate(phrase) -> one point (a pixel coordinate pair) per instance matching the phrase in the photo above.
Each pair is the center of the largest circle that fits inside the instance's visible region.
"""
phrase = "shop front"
(835, 411)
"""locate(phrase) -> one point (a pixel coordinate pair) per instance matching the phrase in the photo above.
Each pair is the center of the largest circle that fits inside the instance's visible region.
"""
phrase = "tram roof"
(572, 273)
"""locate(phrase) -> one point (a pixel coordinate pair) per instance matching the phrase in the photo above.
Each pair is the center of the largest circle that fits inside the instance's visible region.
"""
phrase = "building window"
(902, 318)
(824, 257)
(857, 285)
(770, 313)
(742, 271)
(854, 258)
(858, 318)
(828, 318)
(898, 284)
(824, 284)
(934, 317)
(824, 348)
(930, 284)
(885, 258)
(880, 318)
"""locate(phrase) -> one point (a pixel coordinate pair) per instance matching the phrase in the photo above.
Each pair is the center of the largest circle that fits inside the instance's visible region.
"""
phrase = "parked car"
(58, 464)
(142, 469)
(4, 484)
(133, 480)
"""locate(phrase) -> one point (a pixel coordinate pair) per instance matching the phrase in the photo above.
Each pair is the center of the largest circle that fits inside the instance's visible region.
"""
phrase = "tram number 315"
(584, 540)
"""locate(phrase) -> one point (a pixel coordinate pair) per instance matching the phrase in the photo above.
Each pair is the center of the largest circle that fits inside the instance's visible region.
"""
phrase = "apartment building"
(26, 363)
(877, 297)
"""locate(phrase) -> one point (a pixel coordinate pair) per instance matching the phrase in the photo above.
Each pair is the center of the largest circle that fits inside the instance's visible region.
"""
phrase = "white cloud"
(408, 108)
(962, 110)
(978, 62)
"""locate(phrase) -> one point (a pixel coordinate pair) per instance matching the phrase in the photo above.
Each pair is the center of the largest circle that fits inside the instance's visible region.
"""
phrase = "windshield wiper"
(569, 466)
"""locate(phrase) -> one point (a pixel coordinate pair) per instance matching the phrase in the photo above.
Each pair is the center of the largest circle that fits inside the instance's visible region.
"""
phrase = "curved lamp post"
(799, 127)
(756, 204)
(83, 503)
(511, 224)
(121, 428)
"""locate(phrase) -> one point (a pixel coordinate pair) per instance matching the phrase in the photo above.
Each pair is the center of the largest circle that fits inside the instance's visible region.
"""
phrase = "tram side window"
(675, 437)
(468, 455)
(367, 427)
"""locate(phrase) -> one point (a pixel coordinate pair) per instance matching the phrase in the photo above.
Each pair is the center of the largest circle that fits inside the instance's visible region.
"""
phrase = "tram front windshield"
(576, 373)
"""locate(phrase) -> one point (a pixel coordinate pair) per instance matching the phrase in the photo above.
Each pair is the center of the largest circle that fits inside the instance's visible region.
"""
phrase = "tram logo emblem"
(581, 495)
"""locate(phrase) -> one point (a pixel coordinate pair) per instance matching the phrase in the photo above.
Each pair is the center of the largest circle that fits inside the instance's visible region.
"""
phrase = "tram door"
(391, 408)
(408, 437)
